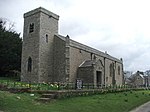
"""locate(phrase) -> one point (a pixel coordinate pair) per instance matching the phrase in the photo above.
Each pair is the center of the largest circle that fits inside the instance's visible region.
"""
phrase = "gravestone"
(79, 84)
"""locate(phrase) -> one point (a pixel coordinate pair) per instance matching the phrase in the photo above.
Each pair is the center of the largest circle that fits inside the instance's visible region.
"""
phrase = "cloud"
(120, 27)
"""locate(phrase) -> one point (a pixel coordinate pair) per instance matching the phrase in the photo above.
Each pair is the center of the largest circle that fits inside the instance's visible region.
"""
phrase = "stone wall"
(49, 27)
(30, 48)
(56, 58)
(108, 77)
(59, 60)
(119, 76)
(86, 74)
(77, 57)
(79, 53)
(39, 45)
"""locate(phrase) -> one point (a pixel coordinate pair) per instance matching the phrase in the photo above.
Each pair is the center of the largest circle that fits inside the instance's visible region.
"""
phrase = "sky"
(120, 27)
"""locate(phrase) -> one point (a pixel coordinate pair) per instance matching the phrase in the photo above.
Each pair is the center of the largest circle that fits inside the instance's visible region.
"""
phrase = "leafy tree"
(10, 49)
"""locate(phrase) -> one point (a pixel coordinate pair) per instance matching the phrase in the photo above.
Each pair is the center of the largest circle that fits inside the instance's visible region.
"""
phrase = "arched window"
(111, 68)
(29, 64)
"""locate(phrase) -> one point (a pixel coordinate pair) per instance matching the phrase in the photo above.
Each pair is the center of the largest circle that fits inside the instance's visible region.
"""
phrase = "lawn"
(110, 102)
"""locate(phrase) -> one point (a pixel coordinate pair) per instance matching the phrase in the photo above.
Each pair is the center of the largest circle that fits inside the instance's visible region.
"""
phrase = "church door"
(99, 78)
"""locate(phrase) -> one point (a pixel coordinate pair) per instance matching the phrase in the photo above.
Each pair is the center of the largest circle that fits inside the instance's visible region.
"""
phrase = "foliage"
(11, 83)
(10, 49)
(33, 86)
(112, 102)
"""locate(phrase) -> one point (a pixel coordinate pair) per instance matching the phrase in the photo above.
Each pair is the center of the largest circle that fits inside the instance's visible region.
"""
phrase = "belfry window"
(31, 28)
(29, 64)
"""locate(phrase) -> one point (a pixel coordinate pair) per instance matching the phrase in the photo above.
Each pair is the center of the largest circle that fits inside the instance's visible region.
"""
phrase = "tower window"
(31, 28)
(29, 64)
(46, 38)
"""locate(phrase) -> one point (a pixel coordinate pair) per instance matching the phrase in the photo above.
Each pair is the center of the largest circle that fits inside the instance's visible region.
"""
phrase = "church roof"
(61, 37)
(87, 63)
(87, 48)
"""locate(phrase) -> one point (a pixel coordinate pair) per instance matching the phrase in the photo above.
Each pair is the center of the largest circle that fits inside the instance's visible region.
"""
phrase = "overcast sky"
(120, 27)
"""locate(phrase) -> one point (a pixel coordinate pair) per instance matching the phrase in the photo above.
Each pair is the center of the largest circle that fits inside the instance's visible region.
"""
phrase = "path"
(143, 108)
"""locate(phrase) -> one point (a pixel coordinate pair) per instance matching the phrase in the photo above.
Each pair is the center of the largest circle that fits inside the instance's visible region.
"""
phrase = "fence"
(57, 86)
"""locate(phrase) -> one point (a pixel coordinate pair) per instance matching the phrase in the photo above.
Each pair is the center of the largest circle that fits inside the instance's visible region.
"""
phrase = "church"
(48, 56)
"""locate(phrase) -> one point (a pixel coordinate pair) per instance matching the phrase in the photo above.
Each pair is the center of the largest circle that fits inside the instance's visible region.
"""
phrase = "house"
(138, 79)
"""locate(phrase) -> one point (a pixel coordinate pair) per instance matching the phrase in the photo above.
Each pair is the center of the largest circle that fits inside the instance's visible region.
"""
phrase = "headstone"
(79, 84)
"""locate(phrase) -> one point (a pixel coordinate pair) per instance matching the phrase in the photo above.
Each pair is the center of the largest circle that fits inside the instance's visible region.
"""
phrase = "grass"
(111, 102)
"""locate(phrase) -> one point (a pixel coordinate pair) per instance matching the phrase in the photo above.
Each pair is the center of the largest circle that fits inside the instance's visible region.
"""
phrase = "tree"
(10, 49)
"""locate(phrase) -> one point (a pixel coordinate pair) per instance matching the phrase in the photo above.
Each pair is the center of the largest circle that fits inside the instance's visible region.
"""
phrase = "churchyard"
(25, 98)
(11, 83)
(114, 102)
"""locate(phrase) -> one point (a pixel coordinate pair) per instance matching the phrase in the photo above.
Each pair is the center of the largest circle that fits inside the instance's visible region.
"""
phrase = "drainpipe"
(123, 81)
(104, 70)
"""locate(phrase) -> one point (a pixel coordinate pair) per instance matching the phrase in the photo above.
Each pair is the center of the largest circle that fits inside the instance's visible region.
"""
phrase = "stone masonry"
(50, 57)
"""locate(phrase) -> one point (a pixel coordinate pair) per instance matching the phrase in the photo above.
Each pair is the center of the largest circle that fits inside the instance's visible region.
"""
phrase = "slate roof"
(87, 63)
(87, 48)
(137, 74)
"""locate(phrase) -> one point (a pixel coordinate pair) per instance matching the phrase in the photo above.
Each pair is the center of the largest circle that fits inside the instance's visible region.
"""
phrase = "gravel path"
(143, 108)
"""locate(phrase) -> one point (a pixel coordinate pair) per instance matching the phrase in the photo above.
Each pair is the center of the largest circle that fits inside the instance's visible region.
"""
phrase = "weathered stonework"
(56, 58)
(36, 47)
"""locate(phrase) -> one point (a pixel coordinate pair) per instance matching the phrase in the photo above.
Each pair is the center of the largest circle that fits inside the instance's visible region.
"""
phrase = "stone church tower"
(40, 26)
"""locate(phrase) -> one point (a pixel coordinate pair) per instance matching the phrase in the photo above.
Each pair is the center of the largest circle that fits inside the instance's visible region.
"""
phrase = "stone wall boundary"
(59, 94)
